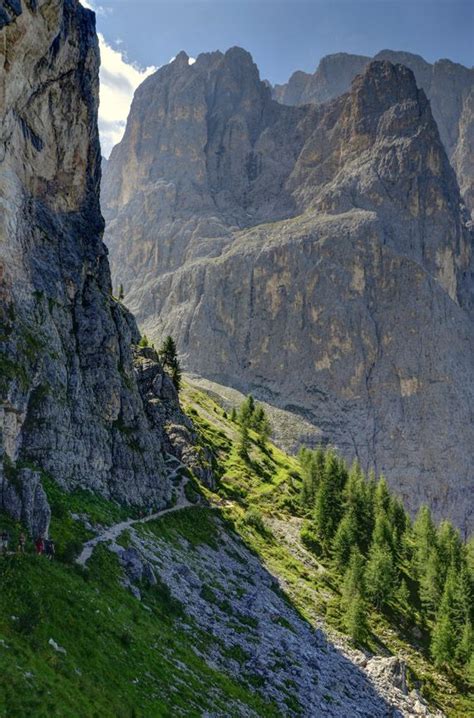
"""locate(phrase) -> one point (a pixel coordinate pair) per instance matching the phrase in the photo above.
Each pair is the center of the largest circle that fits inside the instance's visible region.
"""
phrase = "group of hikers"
(42, 545)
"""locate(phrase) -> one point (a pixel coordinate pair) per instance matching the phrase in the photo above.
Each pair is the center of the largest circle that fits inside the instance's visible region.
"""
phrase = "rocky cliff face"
(449, 86)
(78, 399)
(315, 255)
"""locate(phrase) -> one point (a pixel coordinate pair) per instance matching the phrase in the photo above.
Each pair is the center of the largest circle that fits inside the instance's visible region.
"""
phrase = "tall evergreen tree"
(246, 411)
(312, 469)
(353, 601)
(329, 500)
(354, 577)
(169, 358)
(244, 442)
(345, 539)
(380, 576)
(356, 619)
(261, 424)
(444, 638)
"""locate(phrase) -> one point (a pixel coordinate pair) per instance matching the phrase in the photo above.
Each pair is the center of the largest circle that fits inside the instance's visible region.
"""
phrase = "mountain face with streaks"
(316, 255)
(79, 400)
(448, 85)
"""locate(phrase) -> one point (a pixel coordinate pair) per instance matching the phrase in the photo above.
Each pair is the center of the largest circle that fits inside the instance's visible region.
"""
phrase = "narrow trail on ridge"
(111, 533)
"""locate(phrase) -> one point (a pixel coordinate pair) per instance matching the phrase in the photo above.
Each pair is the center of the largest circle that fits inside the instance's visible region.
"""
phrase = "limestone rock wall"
(448, 85)
(316, 255)
(72, 401)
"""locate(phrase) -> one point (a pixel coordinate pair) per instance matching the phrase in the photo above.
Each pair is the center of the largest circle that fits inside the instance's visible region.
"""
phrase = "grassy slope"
(126, 658)
(270, 482)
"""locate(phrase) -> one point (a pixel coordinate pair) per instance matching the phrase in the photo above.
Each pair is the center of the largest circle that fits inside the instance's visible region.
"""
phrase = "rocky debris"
(74, 402)
(257, 635)
(57, 647)
(448, 85)
(318, 256)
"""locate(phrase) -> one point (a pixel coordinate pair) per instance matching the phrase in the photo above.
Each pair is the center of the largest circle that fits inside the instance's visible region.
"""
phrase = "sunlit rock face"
(78, 402)
(316, 255)
(448, 85)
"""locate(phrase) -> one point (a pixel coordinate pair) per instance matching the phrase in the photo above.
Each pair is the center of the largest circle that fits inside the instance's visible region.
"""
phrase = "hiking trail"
(111, 533)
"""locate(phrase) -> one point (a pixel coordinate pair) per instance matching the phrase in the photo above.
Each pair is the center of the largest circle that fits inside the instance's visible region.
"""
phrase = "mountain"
(316, 255)
(79, 399)
(186, 570)
(448, 85)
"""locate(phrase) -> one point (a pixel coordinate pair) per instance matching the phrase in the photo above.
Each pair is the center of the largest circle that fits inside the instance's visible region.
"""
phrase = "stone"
(448, 85)
(75, 402)
(319, 256)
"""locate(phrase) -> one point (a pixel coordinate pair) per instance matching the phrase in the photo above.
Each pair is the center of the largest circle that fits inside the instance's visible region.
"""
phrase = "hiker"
(39, 545)
(4, 541)
(21, 543)
(49, 549)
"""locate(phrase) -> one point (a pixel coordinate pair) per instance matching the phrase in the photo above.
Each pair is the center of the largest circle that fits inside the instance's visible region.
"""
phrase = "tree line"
(384, 559)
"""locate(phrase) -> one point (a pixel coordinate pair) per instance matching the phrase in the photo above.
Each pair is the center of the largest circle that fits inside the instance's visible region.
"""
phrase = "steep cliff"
(448, 85)
(315, 255)
(79, 400)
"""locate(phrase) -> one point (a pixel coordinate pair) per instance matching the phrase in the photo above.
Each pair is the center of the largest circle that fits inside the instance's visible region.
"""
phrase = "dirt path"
(113, 532)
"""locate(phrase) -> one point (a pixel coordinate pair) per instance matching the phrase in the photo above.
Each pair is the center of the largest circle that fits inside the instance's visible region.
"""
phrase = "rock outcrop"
(448, 85)
(77, 400)
(316, 255)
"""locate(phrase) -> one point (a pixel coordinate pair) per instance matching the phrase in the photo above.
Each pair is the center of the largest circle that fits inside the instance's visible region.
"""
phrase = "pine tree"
(121, 293)
(380, 576)
(345, 540)
(466, 644)
(382, 497)
(353, 601)
(244, 442)
(354, 579)
(382, 535)
(329, 501)
(403, 594)
(444, 639)
(144, 342)
(399, 521)
(312, 469)
(246, 410)
(356, 619)
(169, 358)
(424, 538)
(233, 415)
(260, 423)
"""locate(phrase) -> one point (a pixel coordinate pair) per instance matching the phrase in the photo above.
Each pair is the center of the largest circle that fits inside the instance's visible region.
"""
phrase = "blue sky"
(282, 35)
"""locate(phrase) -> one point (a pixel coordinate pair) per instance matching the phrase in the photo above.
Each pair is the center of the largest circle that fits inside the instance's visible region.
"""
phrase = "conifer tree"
(444, 638)
(233, 415)
(329, 500)
(169, 358)
(312, 468)
(260, 423)
(354, 579)
(246, 411)
(382, 497)
(380, 576)
(244, 442)
(424, 538)
(356, 619)
(345, 539)
(121, 293)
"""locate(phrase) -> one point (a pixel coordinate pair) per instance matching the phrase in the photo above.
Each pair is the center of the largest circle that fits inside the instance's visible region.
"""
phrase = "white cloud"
(118, 81)
(98, 9)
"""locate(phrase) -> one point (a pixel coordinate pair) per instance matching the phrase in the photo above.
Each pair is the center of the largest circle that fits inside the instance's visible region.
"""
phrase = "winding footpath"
(112, 533)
